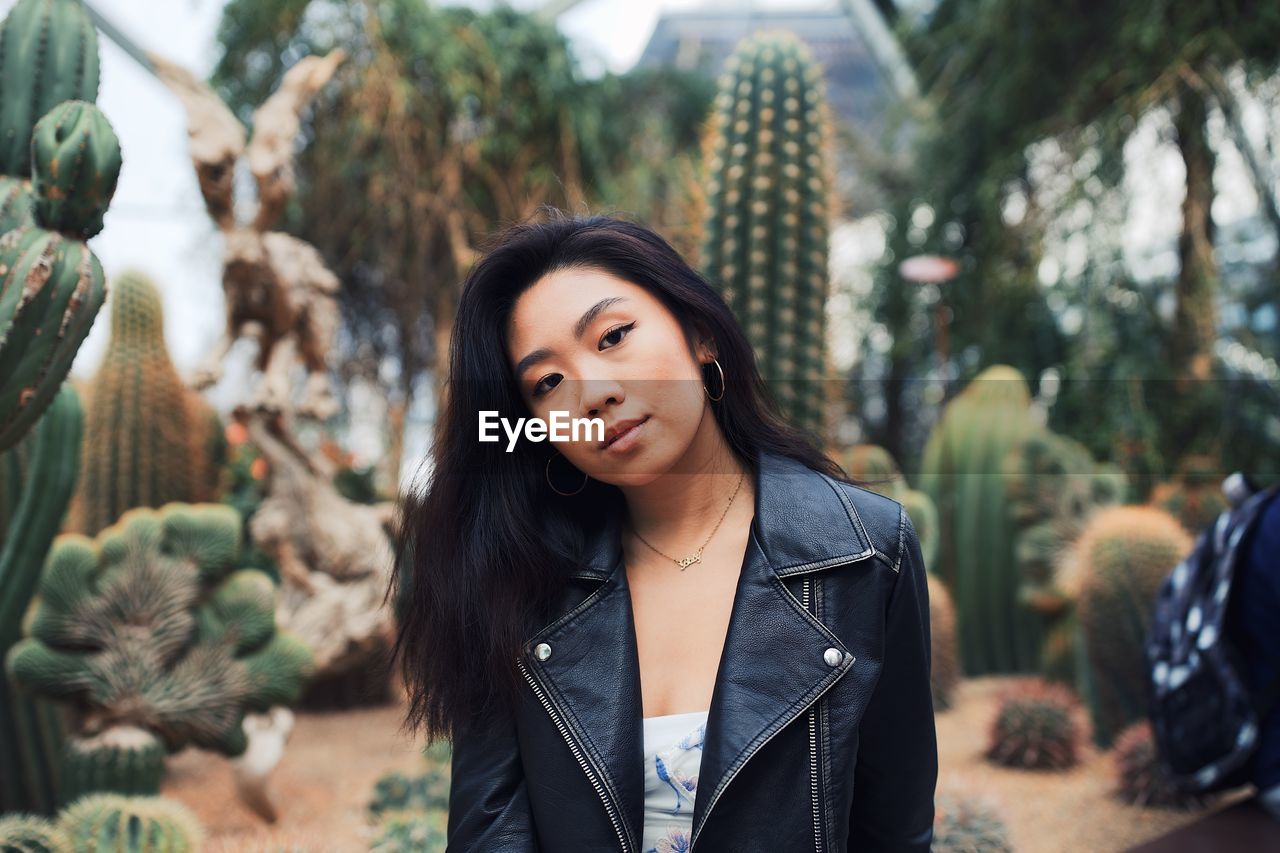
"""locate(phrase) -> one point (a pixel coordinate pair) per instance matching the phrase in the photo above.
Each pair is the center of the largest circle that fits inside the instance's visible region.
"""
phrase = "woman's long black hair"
(485, 544)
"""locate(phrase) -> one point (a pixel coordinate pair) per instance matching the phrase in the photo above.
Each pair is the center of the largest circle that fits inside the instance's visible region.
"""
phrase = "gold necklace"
(696, 556)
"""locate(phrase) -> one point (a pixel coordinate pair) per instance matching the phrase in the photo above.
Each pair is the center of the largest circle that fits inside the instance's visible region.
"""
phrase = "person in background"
(1256, 590)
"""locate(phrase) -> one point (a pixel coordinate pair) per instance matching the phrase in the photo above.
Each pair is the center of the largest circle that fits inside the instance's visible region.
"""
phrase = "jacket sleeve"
(897, 764)
(489, 806)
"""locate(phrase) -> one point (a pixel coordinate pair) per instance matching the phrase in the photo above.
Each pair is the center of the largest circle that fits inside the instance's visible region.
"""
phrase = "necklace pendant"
(690, 560)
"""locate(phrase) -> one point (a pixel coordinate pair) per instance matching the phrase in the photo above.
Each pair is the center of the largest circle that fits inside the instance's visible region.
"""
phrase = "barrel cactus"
(944, 670)
(766, 229)
(51, 284)
(37, 478)
(157, 641)
(1122, 556)
(1140, 778)
(1036, 726)
(122, 824)
(48, 54)
(962, 472)
(966, 824)
(144, 442)
(20, 833)
(400, 792)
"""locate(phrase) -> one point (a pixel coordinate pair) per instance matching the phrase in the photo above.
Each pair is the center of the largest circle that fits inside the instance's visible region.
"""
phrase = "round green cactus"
(766, 230)
(75, 160)
(1120, 560)
(154, 634)
(124, 824)
(31, 834)
(1036, 726)
(48, 54)
(963, 824)
(408, 832)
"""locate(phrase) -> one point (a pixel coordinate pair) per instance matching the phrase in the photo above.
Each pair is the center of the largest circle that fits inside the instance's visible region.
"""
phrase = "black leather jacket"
(820, 732)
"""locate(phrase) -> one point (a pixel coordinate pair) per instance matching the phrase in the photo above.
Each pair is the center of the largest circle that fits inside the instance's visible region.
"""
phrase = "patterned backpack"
(1203, 719)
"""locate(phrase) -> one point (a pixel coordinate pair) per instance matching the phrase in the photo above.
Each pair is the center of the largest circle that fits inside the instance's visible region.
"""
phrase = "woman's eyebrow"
(579, 329)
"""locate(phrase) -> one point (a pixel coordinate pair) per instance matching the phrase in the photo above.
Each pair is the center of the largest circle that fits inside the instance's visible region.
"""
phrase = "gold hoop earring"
(585, 477)
(722, 386)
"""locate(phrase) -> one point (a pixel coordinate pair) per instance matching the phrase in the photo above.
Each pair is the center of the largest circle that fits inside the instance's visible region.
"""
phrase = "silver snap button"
(542, 651)
(833, 656)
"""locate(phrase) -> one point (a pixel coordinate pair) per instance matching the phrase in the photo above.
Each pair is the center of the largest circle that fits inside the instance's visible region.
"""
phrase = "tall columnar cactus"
(1121, 557)
(48, 54)
(37, 478)
(131, 825)
(158, 642)
(142, 436)
(962, 472)
(767, 214)
(51, 285)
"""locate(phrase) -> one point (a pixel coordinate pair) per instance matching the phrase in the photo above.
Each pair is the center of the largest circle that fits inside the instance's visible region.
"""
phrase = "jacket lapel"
(773, 665)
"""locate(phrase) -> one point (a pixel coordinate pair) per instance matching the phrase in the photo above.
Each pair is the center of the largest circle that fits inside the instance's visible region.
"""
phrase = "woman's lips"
(626, 440)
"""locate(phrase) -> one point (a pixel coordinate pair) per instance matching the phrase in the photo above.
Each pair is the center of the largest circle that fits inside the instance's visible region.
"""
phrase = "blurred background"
(1015, 261)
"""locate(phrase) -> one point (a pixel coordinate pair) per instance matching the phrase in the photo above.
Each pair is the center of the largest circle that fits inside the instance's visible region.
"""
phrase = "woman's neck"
(684, 505)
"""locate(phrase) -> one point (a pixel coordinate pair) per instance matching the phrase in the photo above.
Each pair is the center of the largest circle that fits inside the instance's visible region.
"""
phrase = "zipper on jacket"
(813, 752)
(588, 768)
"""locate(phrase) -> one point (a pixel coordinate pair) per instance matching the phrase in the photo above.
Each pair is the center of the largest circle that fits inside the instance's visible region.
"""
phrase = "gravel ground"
(1045, 811)
(333, 759)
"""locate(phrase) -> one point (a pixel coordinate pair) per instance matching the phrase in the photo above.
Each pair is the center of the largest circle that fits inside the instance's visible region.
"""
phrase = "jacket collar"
(804, 522)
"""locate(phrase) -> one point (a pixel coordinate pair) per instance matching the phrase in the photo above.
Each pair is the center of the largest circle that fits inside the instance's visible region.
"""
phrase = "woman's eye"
(538, 393)
(617, 330)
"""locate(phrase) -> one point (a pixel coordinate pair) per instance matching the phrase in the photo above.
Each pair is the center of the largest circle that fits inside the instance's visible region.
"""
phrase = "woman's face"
(586, 342)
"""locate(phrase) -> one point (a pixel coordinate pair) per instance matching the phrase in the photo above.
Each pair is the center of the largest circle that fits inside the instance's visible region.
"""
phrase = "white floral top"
(672, 756)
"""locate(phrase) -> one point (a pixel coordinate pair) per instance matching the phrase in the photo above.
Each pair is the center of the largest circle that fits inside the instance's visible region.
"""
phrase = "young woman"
(696, 633)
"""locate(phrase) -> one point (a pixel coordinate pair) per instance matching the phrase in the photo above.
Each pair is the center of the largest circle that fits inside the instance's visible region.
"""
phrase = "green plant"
(399, 792)
(157, 641)
(964, 824)
(1035, 726)
(37, 478)
(120, 824)
(143, 439)
(1122, 556)
(20, 833)
(412, 832)
(766, 227)
(1140, 779)
(962, 472)
(51, 284)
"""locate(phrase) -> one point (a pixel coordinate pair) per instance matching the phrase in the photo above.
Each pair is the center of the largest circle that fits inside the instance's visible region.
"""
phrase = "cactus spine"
(962, 473)
(41, 475)
(140, 424)
(201, 649)
(1121, 557)
(51, 285)
(766, 226)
